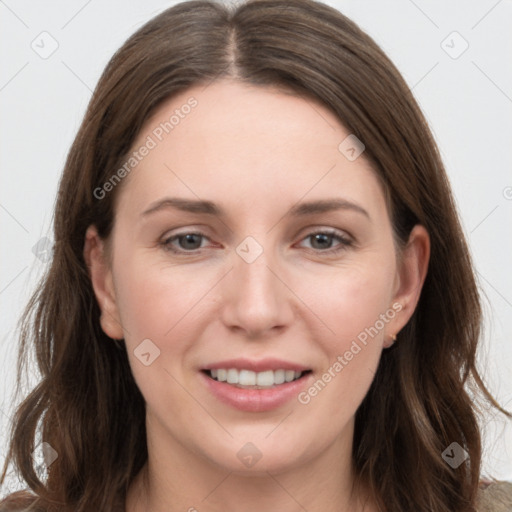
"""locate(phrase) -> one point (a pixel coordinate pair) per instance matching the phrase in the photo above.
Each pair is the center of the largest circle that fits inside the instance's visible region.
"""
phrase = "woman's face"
(267, 279)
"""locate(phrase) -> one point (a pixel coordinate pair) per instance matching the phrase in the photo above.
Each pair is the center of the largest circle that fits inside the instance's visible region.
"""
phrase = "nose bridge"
(257, 298)
(254, 279)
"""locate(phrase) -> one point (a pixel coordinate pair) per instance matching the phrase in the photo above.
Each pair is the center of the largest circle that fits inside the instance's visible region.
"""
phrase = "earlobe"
(412, 272)
(102, 283)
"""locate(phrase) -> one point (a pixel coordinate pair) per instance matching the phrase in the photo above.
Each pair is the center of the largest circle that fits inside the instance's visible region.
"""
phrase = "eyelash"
(344, 242)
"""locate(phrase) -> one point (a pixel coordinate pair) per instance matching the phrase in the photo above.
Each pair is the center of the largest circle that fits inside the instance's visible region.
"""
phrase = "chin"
(258, 456)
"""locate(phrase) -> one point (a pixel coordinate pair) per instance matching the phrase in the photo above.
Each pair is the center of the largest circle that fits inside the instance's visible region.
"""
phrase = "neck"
(175, 479)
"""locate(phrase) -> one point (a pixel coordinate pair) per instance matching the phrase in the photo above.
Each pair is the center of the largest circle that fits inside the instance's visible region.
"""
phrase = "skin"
(256, 152)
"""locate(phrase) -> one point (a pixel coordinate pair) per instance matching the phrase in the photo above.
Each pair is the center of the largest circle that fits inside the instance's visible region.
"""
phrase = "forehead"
(233, 142)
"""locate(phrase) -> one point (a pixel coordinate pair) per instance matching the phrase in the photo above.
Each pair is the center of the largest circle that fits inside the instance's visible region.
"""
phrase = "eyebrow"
(210, 208)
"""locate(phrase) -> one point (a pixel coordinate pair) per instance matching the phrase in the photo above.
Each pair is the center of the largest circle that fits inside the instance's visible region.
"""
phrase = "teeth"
(267, 378)
(248, 378)
(279, 376)
(289, 375)
(232, 376)
(262, 378)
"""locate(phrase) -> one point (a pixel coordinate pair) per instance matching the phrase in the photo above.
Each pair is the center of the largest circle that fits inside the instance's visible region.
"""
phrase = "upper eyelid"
(308, 231)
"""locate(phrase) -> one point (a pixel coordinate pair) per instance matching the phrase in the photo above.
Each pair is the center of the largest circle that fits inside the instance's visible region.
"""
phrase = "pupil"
(320, 237)
(189, 238)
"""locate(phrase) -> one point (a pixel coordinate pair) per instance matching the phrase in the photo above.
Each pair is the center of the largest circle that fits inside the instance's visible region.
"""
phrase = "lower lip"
(255, 400)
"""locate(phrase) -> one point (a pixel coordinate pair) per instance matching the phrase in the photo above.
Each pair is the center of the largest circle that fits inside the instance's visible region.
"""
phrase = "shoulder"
(494, 496)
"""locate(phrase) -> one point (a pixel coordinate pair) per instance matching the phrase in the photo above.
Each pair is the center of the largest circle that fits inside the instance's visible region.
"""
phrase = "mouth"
(251, 385)
(248, 379)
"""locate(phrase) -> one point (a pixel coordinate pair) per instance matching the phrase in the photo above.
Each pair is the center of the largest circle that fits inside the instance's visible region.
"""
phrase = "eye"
(322, 241)
(187, 242)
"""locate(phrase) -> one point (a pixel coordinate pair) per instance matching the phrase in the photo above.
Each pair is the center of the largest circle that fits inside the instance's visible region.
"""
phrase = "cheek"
(356, 308)
(353, 301)
(161, 305)
(153, 298)
(158, 301)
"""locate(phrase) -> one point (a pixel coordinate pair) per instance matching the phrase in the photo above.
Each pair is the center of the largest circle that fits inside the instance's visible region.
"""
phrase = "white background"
(467, 101)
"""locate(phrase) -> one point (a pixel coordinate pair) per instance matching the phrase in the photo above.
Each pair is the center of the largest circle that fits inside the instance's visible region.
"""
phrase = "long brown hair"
(427, 392)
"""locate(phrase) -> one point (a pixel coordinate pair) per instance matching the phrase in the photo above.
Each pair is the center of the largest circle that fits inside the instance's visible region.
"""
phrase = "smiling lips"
(255, 386)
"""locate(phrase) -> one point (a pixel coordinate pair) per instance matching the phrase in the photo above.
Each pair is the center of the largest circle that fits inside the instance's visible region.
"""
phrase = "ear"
(411, 274)
(102, 283)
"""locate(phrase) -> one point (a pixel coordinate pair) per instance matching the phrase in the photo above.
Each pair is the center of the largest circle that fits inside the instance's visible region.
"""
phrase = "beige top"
(495, 497)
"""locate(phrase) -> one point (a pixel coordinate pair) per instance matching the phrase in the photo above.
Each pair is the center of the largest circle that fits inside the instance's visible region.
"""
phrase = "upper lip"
(259, 365)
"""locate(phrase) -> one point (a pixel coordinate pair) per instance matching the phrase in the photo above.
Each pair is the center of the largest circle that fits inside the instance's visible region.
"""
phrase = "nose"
(256, 298)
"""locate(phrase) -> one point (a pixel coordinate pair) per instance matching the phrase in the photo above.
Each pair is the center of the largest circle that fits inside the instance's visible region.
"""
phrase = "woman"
(258, 369)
